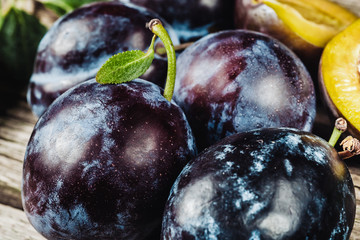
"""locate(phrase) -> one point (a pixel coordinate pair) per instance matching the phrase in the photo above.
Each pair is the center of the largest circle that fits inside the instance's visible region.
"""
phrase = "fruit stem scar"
(351, 147)
(340, 127)
(157, 28)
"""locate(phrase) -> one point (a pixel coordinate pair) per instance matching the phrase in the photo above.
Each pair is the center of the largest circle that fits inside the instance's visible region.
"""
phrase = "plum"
(78, 44)
(102, 158)
(193, 19)
(275, 183)
(237, 80)
(339, 77)
(100, 165)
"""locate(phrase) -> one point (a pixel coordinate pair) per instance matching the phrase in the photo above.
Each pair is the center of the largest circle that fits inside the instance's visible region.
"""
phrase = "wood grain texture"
(15, 226)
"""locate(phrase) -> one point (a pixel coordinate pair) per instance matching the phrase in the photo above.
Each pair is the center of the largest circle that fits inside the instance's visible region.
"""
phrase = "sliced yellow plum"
(305, 26)
(339, 75)
(314, 21)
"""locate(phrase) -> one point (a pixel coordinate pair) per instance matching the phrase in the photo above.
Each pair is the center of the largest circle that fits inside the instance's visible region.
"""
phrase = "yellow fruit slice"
(315, 21)
(340, 72)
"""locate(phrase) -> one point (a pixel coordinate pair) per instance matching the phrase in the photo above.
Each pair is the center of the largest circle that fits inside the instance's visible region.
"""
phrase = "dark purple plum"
(239, 80)
(77, 45)
(193, 19)
(278, 183)
(101, 161)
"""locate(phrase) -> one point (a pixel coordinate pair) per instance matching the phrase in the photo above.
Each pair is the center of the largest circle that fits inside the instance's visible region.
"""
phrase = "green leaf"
(20, 34)
(59, 10)
(61, 7)
(126, 66)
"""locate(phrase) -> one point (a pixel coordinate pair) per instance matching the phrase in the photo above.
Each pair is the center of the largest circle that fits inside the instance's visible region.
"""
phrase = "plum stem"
(351, 147)
(158, 29)
(179, 47)
(340, 127)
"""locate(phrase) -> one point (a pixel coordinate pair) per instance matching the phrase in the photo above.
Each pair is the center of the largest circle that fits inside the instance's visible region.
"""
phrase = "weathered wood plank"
(16, 125)
(15, 226)
(10, 182)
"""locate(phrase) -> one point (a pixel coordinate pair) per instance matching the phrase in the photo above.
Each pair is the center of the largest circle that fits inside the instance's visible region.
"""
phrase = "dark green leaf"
(20, 35)
(59, 11)
(125, 66)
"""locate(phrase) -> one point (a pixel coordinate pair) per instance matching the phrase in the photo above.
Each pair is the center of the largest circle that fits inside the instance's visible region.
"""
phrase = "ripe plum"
(78, 44)
(101, 161)
(263, 184)
(238, 80)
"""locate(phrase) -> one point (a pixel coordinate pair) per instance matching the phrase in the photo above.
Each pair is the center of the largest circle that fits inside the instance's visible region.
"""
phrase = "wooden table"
(16, 124)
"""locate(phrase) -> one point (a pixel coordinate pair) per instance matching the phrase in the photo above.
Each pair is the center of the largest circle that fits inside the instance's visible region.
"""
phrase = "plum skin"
(263, 184)
(239, 80)
(193, 19)
(79, 43)
(101, 161)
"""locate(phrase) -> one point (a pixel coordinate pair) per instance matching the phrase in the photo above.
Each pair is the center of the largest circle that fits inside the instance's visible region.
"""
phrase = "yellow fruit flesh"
(315, 21)
(340, 72)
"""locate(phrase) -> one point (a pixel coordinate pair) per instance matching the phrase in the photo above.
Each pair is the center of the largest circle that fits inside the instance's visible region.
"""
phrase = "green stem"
(334, 137)
(179, 47)
(340, 127)
(157, 28)
(151, 49)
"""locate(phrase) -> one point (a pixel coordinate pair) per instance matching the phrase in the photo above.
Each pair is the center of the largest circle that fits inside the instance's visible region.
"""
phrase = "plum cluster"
(231, 156)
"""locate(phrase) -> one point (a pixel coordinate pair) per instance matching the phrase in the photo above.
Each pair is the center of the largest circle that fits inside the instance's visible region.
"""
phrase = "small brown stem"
(182, 46)
(339, 128)
(345, 154)
(152, 23)
(351, 147)
(341, 124)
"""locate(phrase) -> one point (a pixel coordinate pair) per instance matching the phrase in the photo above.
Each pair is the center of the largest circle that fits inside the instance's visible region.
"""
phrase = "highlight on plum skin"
(239, 80)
